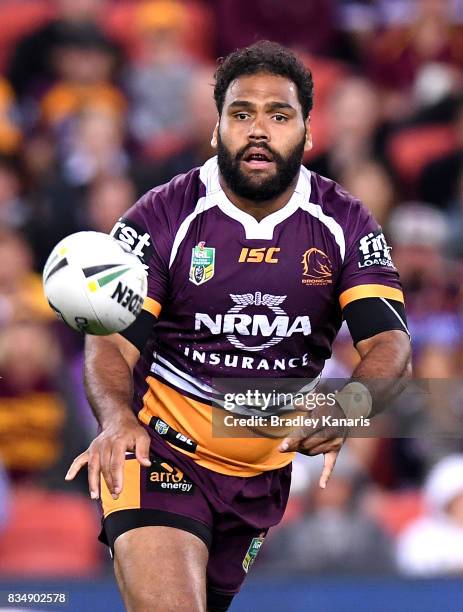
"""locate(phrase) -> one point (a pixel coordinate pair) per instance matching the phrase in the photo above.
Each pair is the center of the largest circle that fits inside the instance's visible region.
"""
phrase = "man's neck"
(259, 210)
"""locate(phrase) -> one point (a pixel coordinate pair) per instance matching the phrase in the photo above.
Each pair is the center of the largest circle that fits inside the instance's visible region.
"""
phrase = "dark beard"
(265, 189)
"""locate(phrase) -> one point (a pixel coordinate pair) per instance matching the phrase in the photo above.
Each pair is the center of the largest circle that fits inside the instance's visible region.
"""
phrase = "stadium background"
(101, 100)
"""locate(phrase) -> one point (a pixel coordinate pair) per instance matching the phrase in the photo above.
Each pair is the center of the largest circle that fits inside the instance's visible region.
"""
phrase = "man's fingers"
(309, 446)
(292, 443)
(105, 469)
(116, 467)
(289, 445)
(323, 447)
(94, 475)
(76, 465)
(329, 461)
(142, 449)
(93, 462)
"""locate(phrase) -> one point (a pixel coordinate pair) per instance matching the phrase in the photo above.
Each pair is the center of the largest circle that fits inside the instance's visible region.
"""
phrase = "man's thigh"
(161, 569)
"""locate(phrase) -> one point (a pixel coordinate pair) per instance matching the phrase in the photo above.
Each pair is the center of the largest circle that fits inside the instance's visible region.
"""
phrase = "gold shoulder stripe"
(152, 306)
(367, 291)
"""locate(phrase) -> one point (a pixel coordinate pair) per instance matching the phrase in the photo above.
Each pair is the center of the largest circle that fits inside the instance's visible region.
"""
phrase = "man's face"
(261, 136)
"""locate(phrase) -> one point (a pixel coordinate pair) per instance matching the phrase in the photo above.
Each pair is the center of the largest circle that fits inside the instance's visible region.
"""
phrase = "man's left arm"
(372, 304)
(384, 368)
(381, 375)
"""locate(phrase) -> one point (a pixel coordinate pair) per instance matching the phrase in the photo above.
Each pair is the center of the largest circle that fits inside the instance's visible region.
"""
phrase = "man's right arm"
(109, 362)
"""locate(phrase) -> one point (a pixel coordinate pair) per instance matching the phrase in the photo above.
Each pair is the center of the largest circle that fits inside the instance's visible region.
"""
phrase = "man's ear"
(215, 135)
(308, 135)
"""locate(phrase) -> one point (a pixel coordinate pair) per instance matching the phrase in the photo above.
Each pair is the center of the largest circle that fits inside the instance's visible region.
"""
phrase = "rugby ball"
(93, 284)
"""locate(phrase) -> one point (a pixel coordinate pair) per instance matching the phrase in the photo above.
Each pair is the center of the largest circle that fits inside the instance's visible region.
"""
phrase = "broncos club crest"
(316, 268)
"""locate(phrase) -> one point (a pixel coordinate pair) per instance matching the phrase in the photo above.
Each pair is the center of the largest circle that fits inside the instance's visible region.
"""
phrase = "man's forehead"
(262, 88)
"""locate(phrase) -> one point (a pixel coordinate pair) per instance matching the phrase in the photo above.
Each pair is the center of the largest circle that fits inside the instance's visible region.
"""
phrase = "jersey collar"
(209, 175)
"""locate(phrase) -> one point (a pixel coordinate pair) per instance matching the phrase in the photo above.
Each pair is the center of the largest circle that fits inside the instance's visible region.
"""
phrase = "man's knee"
(148, 601)
(160, 569)
(145, 596)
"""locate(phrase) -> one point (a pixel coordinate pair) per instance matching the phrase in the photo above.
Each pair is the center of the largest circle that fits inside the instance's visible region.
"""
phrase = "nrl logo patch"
(251, 554)
(161, 427)
(202, 264)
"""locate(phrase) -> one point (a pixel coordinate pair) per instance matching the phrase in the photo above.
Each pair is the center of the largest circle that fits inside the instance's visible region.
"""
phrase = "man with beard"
(252, 263)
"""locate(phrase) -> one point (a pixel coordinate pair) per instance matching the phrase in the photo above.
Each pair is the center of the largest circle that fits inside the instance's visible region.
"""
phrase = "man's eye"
(241, 116)
(280, 118)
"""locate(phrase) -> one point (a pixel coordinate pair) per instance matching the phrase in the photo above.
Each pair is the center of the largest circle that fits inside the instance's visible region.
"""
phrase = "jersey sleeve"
(368, 270)
(144, 230)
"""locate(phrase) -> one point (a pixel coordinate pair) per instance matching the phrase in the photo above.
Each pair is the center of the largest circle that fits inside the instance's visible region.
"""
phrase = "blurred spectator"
(401, 51)
(95, 149)
(108, 199)
(10, 132)
(354, 128)
(440, 180)
(333, 535)
(412, 147)
(14, 211)
(365, 14)
(434, 83)
(21, 294)
(160, 79)
(31, 68)
(357, 16)
(39, 155)
(196, 149)
(433, 545)
(39, 432)
(84, 63)
(420, 236)
(39, 166)
(327, 73)
(285, 22)
(370, 182)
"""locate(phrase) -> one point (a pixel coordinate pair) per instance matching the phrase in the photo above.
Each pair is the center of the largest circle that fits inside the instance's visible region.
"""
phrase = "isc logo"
(259, 255)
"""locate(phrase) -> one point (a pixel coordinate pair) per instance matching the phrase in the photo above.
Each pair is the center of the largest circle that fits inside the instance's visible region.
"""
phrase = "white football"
(93, 284)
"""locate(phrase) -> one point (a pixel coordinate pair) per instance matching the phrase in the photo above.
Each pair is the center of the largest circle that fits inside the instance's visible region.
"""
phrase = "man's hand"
(324, 438)
(106, 455)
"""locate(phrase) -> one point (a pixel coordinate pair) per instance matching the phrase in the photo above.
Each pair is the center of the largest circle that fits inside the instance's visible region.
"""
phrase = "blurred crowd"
(100, 100)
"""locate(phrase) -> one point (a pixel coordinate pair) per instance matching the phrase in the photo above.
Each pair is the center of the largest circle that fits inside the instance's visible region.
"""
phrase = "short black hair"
(267, 57)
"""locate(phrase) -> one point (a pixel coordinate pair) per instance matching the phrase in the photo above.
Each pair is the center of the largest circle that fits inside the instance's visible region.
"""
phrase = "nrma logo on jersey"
(276, 325)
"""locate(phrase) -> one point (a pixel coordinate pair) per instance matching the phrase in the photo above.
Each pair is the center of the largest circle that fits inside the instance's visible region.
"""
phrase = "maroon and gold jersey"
(235, 297)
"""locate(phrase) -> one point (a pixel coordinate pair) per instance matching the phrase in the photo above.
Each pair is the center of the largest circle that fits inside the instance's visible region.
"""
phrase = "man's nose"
(258, 130)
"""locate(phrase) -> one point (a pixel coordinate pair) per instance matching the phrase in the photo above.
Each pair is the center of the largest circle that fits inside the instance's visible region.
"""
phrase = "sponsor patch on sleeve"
(373, 250)
(133, 238)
